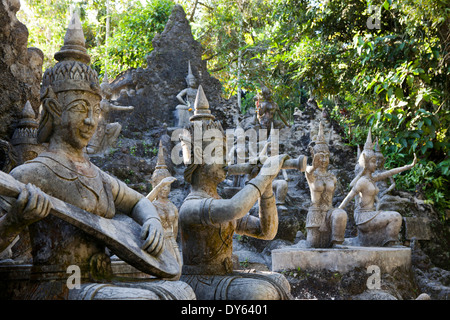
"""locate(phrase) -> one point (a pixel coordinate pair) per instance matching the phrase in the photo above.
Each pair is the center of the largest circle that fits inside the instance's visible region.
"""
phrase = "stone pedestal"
(340, 259)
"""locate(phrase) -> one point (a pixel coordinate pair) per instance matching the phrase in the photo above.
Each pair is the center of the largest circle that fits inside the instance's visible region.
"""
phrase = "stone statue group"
(203, 269)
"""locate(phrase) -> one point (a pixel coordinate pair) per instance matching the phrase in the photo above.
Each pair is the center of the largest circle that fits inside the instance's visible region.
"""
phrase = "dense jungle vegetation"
(379, 64)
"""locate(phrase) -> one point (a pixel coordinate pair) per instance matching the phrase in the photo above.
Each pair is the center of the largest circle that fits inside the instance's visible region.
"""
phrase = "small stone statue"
(168, 212)
(375, 227)
(107, 133)
(325, 225)
(266, 109)
(24, 139)
(70, 96)
(185, 108)
(208, 222)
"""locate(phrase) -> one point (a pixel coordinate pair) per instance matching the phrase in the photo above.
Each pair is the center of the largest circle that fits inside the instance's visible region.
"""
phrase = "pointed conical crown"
(369, 144)
(319, 140)
(72, 72)
(74, 44)
(201, 106)
(189, 75)
(161, 171)
(26, 130)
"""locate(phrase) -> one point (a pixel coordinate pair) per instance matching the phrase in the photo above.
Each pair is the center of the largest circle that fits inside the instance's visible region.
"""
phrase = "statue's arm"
(155, 191)
(181, 95)
(30, 206)
(266, 226)
(348, 198)
(141, 210)
(120, 108)
(389, 173)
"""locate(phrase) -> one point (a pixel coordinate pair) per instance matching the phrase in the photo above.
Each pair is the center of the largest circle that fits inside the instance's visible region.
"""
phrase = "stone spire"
(201, 106)
(26, 130)
(369, 144)
(161, 170)
(74, 47)
(190, 75)
(161, 163)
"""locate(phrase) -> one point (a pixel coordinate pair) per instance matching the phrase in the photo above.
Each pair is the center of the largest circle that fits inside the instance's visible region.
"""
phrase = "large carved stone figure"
(168, 212)
(325, 225)
(375, 227)
(70, 96)
(208, 222)
(187, 98)
(107, 133)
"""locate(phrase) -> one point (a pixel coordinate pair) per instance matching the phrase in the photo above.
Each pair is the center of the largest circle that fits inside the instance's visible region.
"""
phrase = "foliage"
(132, 28)
(369, 63)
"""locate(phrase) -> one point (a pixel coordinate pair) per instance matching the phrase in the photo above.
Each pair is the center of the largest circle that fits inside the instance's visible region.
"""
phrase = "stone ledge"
(341, 260)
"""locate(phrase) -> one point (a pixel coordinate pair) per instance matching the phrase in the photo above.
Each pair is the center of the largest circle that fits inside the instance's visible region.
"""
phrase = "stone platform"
(341, 259)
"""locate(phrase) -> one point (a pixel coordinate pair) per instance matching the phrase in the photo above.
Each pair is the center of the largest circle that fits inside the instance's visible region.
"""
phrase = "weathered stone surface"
(20, 68)
(341, 260)
(153, 90)
(418, 228)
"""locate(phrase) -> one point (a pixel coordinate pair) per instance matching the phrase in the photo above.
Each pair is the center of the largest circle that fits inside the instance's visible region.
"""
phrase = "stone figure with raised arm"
(187, 97)
(208, 222)
(325, 225)
(107, 133)
(63, 176)
(168, 212)
(375, 227)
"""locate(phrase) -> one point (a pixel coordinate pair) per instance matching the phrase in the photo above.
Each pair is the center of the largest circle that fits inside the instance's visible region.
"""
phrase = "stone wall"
(20, 68)
(153, 90)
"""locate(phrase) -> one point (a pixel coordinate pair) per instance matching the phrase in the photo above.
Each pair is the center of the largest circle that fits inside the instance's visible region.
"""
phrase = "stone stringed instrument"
(121, 234)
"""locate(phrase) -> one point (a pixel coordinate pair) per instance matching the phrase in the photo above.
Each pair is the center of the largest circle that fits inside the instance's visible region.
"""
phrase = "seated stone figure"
(107, 133)
(208, 222)
(186, 98)
(70, 99)
(168, 212)
(375, 227)
(325, 225)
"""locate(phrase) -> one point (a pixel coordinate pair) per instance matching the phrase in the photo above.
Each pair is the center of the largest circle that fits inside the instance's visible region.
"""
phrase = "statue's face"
(191, 82)
(324, 160)
(164, 192)
(215, 169)
(371, 163)
(80, 117)
(380, 161)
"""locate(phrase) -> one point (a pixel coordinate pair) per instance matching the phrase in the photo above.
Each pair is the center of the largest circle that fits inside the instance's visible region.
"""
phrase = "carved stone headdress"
(367, 152)
(194, 143)
(190, 75)
(320, 145)
(72, 72)
(161, 170)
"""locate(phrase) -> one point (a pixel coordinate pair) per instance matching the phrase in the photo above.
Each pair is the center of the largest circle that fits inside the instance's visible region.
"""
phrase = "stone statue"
(266, 109)
(107, 133)
(70, 97)
(187, 98)
(325, 225)
(168, 212)
(208, 222)
(375, 227)
(24, 139)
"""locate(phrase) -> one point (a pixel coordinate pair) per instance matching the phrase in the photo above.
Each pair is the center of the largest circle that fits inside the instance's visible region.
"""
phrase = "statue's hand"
(153, 235)
(167, 181)
(272, 165)
(32, 205)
